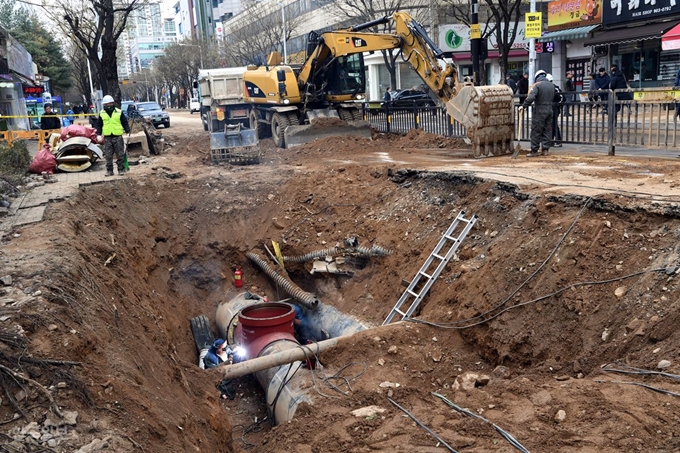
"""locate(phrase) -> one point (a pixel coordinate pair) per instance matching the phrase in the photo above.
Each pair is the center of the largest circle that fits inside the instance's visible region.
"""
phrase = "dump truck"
(221, 97)
(224, 113)
(288, 101)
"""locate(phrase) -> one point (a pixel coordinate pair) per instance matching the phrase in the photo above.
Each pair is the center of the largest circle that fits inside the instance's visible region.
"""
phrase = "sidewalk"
(30, 206)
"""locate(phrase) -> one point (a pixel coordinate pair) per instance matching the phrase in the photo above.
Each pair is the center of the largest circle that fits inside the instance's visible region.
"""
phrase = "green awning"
(564, 35)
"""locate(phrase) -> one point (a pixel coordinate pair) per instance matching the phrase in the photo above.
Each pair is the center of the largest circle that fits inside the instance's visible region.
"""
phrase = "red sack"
(76, 130)
(44, 161)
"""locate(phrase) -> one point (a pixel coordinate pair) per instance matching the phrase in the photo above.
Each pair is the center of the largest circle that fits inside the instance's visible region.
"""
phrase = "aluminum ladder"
(425, 278)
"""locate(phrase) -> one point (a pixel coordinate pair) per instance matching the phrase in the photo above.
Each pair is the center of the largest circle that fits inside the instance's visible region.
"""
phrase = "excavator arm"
(487, 112)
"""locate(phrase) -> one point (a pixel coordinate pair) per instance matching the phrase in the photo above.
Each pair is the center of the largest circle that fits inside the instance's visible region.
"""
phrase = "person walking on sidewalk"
(542, 93)
(568, 92)
(111, 124)
(49, 120)
(523, 88)
(602, 83)
(618, 82)
(558, 102)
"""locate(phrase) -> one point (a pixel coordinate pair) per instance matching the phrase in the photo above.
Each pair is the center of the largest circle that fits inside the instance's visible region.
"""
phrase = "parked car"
(194, 105)
(405, 99)
(125, 105)
(149, 110)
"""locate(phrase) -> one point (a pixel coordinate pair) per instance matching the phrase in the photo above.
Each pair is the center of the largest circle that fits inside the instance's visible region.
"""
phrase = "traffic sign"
(475, 31)
(533, 25)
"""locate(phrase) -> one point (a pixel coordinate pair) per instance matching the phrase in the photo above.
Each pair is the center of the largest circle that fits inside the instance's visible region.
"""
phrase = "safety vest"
(112, 124)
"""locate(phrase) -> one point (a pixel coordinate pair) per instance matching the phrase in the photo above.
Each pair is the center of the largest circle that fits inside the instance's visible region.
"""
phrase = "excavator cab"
(345, 78)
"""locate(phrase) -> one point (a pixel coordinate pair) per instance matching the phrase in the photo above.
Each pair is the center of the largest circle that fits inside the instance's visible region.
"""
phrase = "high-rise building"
(144, 39)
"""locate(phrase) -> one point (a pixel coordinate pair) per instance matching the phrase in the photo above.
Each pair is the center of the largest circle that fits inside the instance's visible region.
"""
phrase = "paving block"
(29, 215)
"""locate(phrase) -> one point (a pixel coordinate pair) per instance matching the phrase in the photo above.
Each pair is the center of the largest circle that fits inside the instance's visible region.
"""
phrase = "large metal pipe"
(278, 365)
(309, 300)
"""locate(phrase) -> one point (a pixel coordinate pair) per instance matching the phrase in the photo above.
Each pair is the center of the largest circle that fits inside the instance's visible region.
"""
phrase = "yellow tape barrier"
(75, 115)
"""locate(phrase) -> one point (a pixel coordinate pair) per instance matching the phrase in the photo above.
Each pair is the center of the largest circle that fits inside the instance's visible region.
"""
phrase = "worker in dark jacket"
(216, 354)
(110, 125)
(618, 82)
(541, 95)
(49, 120)
(602, 82)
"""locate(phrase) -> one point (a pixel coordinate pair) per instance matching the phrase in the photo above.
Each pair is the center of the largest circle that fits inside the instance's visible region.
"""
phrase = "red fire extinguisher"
(238, 278)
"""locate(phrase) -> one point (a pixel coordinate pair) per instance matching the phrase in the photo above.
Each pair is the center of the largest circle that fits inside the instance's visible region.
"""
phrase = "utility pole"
(532, 49)
(475, 39)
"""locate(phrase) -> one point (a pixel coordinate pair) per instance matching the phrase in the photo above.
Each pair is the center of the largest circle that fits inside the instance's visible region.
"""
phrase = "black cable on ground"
(439, 439)
(271, 409)
(640, 371)
(528, 279)
(256, 427)
(655, 389)
(507, 436)
(538, 299)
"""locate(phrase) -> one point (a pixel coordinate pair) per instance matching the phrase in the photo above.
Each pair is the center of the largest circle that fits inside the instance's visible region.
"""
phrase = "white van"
(194, 105)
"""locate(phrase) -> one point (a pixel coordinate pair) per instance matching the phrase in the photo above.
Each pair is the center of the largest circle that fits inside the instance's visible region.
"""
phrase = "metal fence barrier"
(648, 120)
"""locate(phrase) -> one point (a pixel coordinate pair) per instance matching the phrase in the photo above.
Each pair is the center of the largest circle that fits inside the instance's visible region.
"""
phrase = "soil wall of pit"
(128, 264)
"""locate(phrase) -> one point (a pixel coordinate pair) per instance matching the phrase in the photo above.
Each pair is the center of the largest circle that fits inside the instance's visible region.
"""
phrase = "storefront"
(454, 40)
(570, 25)
(636, 45)
(17, 68)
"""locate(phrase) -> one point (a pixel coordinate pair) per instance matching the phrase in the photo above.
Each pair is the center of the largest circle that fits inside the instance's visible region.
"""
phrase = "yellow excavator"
(287, 101)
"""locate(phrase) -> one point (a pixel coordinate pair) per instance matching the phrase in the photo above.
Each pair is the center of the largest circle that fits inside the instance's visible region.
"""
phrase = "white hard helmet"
(549, 77)
(107, 100)
(539, 73)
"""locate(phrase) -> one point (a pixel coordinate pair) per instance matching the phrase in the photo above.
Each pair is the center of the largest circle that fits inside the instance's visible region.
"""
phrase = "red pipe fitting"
(263, 324)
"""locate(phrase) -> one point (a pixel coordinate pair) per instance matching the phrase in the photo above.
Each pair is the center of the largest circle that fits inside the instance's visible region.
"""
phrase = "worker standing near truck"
(110, 125)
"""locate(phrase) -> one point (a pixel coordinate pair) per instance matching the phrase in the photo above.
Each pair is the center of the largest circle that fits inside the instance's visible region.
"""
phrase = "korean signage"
(618, 11)
(534, 25)
(33, 91)
(456, 38)
(565, 14)
(18, 59)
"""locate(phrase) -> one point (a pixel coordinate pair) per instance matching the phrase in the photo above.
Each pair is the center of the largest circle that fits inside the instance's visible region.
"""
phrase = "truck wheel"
(279, 125)
(262, 129)
(350, 114)
(293, 119)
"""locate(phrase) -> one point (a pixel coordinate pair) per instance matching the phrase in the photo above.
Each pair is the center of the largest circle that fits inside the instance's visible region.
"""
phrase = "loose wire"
(432, 433)
(507, 436)
(655, 389)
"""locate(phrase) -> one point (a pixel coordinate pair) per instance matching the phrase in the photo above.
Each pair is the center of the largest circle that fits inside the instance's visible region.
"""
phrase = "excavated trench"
(138, 259)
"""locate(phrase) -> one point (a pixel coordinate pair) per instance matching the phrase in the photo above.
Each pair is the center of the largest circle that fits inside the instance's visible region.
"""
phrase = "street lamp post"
(283, 19)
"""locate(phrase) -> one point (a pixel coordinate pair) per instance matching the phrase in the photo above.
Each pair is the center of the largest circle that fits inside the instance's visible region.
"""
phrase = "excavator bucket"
(325, 123)
(487, 112)
(236, 145)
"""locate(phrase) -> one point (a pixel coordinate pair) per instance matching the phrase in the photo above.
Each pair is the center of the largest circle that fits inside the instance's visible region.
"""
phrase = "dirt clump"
(550, 297)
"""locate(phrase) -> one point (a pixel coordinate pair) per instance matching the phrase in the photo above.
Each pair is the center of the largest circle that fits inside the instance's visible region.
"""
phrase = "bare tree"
(504, 16)
(178, 68)
(79, 72)
(94, 25)
(361, 11)
(250, 40)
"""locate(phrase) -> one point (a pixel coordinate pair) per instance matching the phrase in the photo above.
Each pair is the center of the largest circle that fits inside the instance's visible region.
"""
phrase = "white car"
(194, 105)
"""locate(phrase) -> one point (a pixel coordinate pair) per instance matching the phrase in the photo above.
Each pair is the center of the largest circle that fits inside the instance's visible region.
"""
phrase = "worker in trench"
(217, 353)
(305, 331)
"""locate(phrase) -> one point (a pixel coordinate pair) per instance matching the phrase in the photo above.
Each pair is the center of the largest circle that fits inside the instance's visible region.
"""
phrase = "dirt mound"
(323, 122)
(543, 291)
